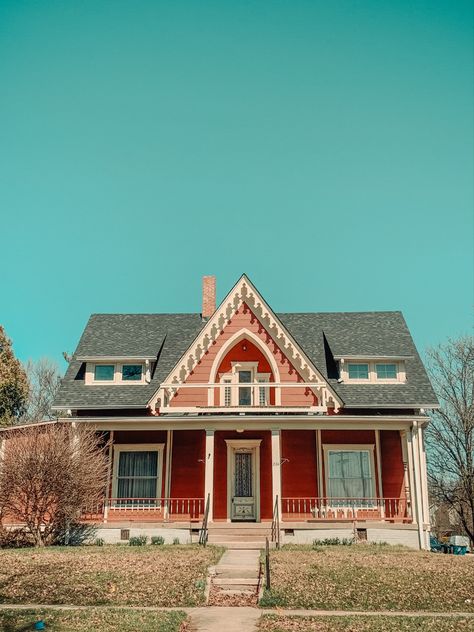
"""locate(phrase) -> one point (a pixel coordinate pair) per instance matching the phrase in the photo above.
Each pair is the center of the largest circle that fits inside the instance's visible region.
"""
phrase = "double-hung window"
(245, 392)
(137, 475)
(350, 474)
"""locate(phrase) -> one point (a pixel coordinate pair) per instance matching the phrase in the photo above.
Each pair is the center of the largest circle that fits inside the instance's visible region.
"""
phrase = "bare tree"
(49, 475)
(450, 436)
(44, 378)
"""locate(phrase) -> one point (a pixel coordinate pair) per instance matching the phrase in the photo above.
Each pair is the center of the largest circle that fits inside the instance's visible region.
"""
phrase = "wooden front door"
(243, 492)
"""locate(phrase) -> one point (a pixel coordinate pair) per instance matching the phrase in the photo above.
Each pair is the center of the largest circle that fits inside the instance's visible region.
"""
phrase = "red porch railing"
(387, 509)
(145, 509)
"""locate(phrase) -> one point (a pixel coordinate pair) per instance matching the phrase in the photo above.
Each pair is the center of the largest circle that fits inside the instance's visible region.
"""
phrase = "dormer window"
(131, 372)
(386, 371)
(104, 372)
(358, 371)
(365, 371)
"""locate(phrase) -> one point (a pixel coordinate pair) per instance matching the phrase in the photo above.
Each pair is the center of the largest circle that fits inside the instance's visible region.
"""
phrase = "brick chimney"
(208, 296)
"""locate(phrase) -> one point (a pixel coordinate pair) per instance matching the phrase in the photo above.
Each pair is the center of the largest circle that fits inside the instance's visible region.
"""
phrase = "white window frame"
(359, 379)
(137, 447)
(352, 447)
(372, 364)
(90, 373)
(231, 380)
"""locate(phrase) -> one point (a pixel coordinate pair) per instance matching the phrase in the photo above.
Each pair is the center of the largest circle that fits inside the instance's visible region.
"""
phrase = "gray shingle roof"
(321, 335)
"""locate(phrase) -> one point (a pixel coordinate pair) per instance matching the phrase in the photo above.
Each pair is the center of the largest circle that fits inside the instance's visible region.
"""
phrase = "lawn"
(115, 575)
(87, 620)
(273, 623)
(366, 577)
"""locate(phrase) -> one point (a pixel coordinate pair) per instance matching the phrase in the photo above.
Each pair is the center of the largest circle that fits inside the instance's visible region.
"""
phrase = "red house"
(310, 422)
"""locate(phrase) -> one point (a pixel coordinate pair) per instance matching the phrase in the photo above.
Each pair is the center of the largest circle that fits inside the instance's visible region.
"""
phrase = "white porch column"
(209, 472)
(424, 483)
(319, 458)
(169, 451)
(110, 456)
(414, 465)
(276, 468)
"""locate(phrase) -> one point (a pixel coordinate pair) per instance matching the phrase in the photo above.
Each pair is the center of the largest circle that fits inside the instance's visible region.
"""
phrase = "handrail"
(204, 532)
(276, 523)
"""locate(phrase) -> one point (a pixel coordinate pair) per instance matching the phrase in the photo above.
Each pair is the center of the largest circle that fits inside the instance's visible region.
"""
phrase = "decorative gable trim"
(245, 292)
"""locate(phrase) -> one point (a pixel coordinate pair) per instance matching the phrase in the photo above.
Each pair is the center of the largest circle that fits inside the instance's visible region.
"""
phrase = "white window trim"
(232, 380)
(372, 379)
(90, 373)
(138, 447)
(352, 447)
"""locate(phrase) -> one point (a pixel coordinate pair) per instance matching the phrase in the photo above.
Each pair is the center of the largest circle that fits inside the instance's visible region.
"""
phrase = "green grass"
(274, 623)
(368, 578)
(88, 620)
(115, 575)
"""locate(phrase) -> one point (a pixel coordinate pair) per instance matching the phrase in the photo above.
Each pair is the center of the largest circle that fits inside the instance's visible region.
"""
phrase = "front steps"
(235, 579)
(239, 535)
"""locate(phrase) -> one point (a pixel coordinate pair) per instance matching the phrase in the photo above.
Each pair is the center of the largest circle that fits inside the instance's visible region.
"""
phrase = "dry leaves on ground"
(370, 578)
(273, 623)
(119, 575)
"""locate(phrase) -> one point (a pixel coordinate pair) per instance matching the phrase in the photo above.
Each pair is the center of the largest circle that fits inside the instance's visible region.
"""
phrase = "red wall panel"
(187, 464)
(299, 473)
(392, 464)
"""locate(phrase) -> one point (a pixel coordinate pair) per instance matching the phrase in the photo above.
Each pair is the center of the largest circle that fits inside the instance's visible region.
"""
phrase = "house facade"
(310, 423)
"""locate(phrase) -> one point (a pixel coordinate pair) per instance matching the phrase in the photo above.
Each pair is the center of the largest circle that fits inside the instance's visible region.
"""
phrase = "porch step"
(235, 581)
(235, 537)
(249, 546)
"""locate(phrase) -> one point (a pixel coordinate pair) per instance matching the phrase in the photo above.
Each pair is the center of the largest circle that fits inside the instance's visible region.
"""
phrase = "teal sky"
(324, 148)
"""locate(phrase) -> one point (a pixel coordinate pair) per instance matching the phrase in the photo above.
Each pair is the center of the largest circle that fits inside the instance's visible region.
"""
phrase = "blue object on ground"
(435, 545)
(40, 625)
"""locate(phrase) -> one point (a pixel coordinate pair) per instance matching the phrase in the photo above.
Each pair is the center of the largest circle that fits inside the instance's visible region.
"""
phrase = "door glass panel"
(245, 392)
(243, 475)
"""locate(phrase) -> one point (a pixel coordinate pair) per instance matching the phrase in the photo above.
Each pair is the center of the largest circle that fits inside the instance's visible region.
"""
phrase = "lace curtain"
(137, 474)
(350, 474)
(243, 475)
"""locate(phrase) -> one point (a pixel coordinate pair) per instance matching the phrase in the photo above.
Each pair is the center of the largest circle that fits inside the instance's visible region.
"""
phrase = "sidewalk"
(242, 619)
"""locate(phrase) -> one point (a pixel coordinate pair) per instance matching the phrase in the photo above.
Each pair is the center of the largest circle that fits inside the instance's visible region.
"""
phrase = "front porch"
(251, 476)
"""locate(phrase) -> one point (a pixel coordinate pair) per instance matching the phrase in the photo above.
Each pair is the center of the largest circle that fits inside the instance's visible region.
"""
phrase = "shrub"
(157, 540)
(175, 540)
(139, 540)
(332, 542)
(14, 538)
(99, 541)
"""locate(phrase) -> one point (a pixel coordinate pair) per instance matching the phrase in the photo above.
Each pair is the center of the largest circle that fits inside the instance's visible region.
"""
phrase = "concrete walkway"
(237, 572)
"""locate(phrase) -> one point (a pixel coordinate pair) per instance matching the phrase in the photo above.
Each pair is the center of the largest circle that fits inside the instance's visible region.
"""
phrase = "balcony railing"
(146, 509)
(333, 509)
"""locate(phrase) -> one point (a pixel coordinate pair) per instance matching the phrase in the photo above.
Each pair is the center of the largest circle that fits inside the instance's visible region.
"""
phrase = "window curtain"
(243, 475)
(137, 474)
(350, 474)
